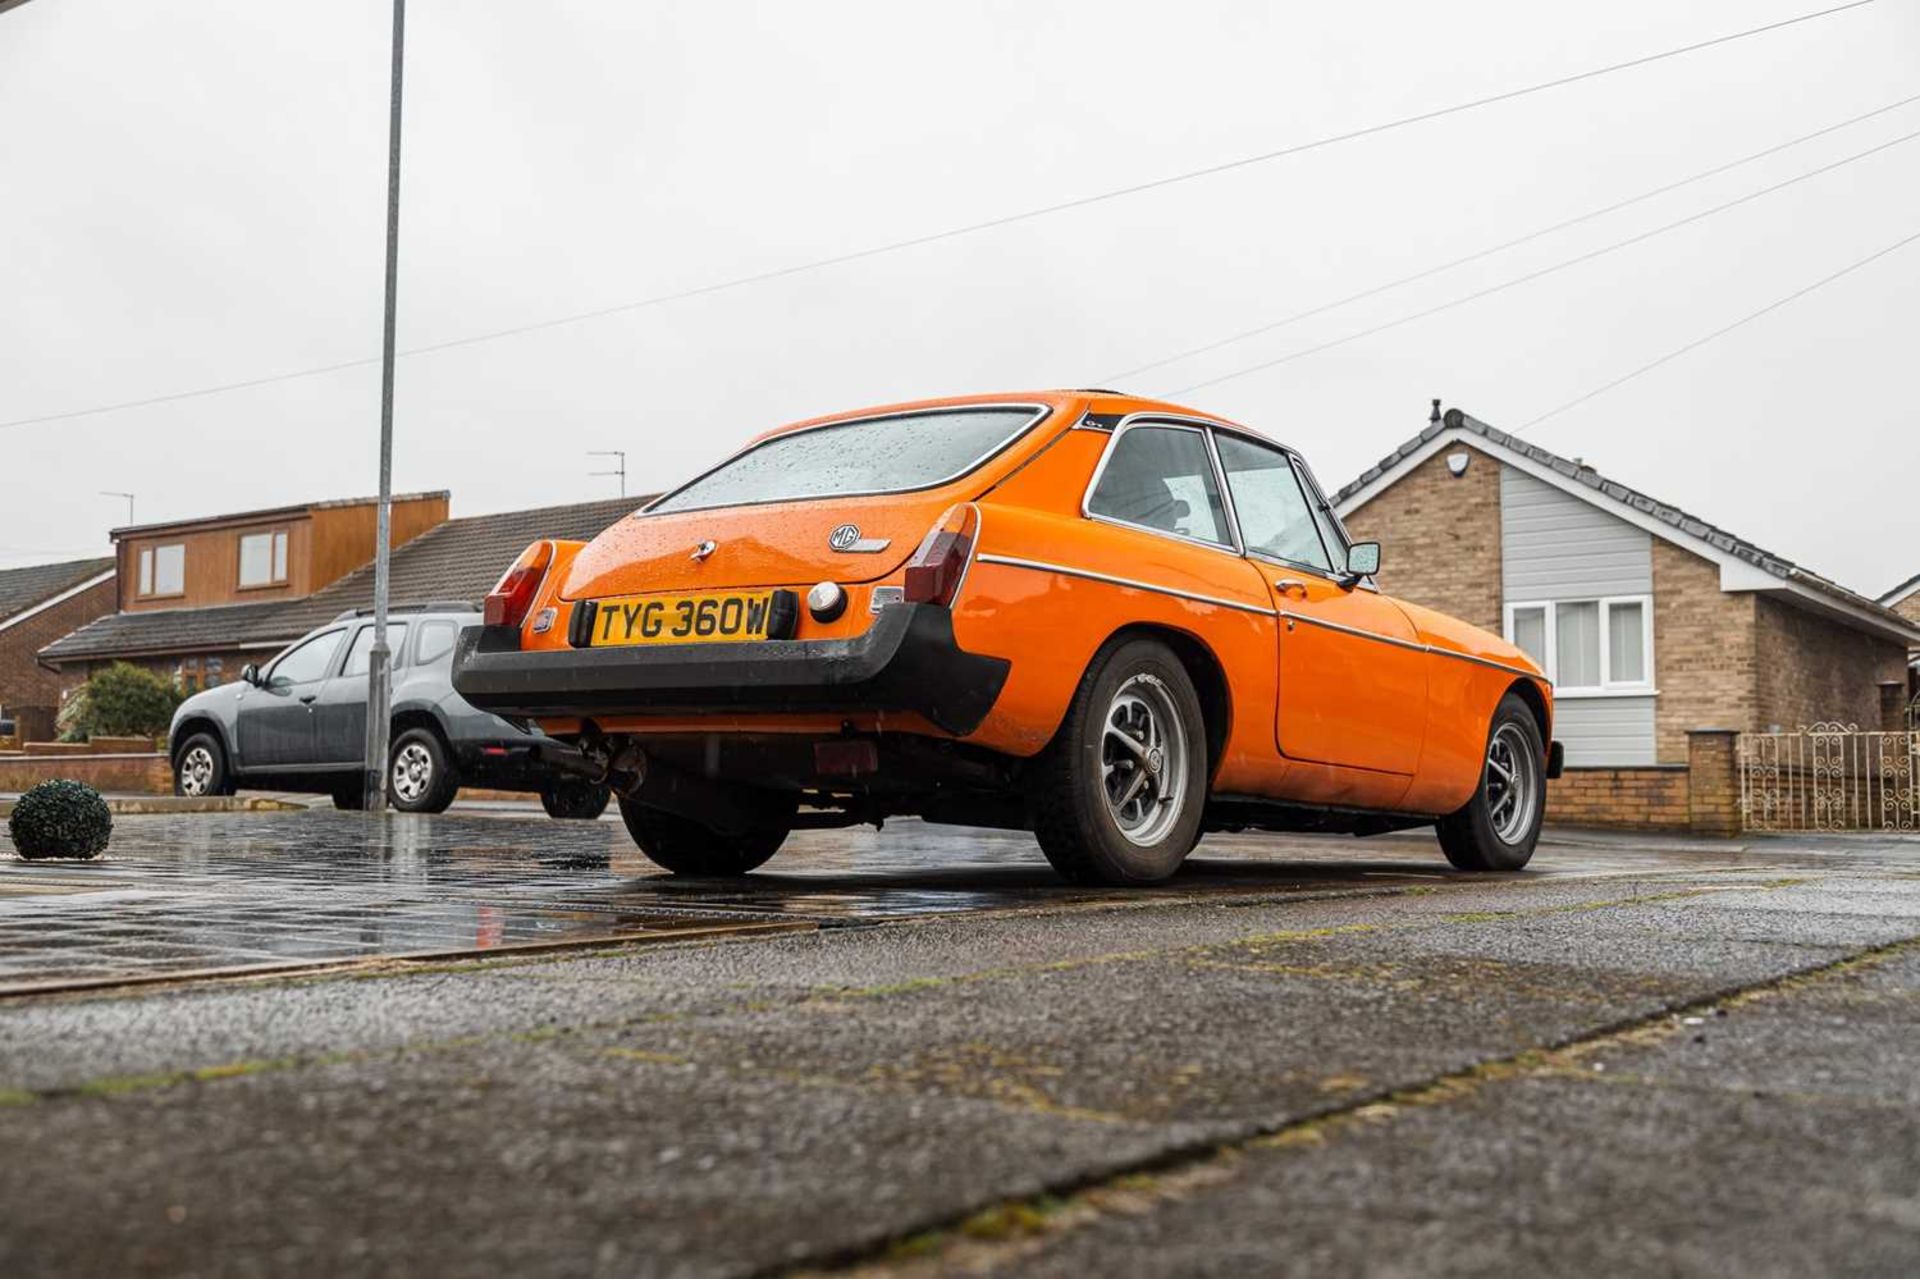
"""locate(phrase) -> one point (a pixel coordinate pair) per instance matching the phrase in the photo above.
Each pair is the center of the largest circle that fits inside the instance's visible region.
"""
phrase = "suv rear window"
(875, 455)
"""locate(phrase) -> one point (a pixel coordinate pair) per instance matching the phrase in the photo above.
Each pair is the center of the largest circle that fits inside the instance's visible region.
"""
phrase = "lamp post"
(379, 685)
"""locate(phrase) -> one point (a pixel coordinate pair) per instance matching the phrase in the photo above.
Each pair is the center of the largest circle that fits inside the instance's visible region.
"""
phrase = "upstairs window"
(1588, 646)
(263, 558)
(163, 570)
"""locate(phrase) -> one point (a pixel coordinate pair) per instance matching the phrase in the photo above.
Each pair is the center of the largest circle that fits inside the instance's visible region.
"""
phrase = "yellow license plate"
(705, 618)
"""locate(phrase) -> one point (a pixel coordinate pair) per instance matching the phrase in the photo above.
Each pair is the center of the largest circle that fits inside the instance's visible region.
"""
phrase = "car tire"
(350, 797)
(685, 847)
(574, 800)
(1498, 828)
(200, 768)
(1120, 792)
(420, 777)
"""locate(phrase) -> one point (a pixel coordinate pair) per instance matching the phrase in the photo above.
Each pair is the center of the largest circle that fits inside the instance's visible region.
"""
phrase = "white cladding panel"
(1554, 546)
(1602, 732)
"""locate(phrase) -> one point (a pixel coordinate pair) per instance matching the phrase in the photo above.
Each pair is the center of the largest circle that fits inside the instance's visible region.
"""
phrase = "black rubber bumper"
(907, 660)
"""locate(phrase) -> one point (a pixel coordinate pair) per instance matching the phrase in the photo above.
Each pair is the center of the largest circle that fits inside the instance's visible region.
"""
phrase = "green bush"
(122, 701)
(60, 818)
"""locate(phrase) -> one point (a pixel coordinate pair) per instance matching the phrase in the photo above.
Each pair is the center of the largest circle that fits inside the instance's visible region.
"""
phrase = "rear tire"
(1120, 791)
(200, 769)
(420, 777)
(1498, 828)
(685, 847)
(574, 801)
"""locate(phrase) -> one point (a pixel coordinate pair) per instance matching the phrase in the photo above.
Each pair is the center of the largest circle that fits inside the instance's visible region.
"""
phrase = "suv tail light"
(513, 595)
(936, 570)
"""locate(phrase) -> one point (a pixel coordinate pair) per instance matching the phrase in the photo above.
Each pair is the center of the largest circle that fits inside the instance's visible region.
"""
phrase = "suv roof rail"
(431, 606)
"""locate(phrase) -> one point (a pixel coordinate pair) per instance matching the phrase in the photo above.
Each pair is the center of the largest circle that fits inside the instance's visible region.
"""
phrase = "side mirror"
(1363, 559)
(251, 674)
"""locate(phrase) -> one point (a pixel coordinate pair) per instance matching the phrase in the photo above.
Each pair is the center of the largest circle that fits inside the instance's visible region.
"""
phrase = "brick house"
(39, 604)
(191, 592)
(1651, 622)
(1904, 599)
(452, 560)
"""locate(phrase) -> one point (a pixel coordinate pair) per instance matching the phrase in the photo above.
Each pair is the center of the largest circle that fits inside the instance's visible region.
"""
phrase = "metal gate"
(1830, 777)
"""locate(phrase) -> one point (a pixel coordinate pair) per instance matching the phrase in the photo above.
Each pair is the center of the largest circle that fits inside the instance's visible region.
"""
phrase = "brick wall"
(28, 689)
(1440, 537)
(1909, 607)
(110, 774)
(1703, 651)
(1812, 670)
(1641, 798)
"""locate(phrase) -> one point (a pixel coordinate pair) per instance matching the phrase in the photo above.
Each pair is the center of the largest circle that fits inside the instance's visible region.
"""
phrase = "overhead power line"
(1111, 379)
(969, 228)
(1721, 332)
(1530, 276)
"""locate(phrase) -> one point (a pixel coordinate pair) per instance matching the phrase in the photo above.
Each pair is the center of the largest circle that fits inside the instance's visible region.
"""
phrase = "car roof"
(1097, 401)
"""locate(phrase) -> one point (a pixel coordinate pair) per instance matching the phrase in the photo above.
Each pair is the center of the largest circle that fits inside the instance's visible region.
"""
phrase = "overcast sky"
(192, 194)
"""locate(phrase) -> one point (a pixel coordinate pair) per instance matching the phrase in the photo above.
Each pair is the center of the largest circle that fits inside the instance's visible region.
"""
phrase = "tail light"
(513, 595)
(937, 568)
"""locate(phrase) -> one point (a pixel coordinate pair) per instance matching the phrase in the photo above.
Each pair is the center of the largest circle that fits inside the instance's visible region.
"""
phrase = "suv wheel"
(420, 778)
(200, 769)
(1119, 793)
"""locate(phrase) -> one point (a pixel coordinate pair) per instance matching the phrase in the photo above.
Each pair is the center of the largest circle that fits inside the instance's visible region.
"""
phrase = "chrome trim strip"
(1041, 412)
(1041, 566)
(1418, 647)
(1344, 629)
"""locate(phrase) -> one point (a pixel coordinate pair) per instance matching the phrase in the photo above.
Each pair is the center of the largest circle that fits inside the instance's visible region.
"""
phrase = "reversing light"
(509, 600)
(936, 569)
(826, 601)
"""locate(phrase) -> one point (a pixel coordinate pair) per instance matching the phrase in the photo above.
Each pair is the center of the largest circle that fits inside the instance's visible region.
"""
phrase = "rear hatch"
(782, 512)
(781, 545)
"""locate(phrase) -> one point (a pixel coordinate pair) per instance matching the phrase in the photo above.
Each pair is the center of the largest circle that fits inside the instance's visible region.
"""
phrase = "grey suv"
(300, 724)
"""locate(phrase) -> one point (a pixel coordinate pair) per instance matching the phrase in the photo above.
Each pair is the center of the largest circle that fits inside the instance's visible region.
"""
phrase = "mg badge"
(846, 539)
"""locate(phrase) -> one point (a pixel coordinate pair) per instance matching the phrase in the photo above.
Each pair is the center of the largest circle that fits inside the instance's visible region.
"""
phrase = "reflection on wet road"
(185, 893)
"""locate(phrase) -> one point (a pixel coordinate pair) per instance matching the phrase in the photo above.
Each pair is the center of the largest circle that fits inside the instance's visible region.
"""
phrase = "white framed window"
(1590, 647)
(263, 558)
(163, 570)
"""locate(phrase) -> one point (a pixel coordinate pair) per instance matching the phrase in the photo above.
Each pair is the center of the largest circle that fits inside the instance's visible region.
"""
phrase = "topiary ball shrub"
(60, 818)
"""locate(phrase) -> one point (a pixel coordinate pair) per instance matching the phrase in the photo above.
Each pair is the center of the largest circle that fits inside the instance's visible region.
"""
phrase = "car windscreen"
(876, 455)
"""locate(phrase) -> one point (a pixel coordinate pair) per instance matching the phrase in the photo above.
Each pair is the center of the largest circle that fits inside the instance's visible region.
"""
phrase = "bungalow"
(1651, 622)
(38, 604)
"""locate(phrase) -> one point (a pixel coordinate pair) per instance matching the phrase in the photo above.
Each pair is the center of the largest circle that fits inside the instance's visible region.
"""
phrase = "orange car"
(1114, 622)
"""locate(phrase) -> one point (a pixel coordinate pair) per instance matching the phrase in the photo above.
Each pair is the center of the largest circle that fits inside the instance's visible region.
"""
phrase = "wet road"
(185, 894)
(1303, 1056)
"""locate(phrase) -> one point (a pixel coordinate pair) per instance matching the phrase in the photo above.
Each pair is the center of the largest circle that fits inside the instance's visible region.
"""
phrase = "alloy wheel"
(1512, 784)
(1143, 760)
(412, 772)
(196, 772)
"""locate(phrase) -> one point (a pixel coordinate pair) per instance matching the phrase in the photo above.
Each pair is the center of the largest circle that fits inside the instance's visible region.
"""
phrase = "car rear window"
(436, 641)
(875, 455)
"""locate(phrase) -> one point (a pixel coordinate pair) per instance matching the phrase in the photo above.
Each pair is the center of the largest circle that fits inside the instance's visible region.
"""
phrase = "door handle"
(1288, 585)
(306, 699)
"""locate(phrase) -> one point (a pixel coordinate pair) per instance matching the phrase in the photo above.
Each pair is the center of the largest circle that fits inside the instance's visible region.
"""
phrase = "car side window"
(1275, 517)
(306, 661)
(1330, 535)
(1161, 477)
(436, 641)
(358, 660)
